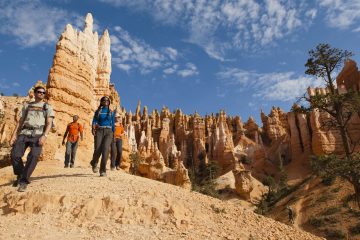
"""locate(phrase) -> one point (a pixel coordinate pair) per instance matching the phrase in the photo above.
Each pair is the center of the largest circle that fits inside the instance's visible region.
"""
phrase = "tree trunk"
(343, 132)
(356, 184)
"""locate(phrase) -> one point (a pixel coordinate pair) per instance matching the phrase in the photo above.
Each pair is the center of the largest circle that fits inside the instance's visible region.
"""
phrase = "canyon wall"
(172, 144)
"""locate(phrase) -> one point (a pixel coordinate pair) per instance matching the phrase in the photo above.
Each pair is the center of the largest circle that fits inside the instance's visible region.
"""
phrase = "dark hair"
(105, 98)
(100, 106)
(38, 87)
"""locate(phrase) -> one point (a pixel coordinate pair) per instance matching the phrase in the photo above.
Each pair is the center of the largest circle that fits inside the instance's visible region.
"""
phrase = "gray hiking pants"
(103, 139)
(70, 152)
(22, 143)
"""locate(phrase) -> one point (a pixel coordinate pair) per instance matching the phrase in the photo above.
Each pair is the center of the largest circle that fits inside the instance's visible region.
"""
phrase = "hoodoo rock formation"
(78, 78)
(168, 144)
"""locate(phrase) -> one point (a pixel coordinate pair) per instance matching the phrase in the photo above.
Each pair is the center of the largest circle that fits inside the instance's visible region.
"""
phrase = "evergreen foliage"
(322, 62)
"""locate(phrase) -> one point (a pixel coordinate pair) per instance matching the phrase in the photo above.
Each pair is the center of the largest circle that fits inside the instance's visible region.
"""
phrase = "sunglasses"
(41, 92)
(105, 100)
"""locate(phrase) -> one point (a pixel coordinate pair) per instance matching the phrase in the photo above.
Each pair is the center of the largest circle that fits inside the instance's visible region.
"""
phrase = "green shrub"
(208, 188)
(355, 230)
(245, 160)
(335, 190)
(328, 180)
(335, 234)
(135, 160)
(331, 211)
(262, 207)
(325, 198)
(331, 220)
(316, 222)
(347, 199)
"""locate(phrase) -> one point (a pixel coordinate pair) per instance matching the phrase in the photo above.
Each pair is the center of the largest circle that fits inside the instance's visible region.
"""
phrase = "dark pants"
(70, 153)
(103, 139)
(17, 152)
(116, 150)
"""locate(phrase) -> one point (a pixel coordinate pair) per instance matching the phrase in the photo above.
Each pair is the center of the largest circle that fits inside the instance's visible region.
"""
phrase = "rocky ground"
(75, 203)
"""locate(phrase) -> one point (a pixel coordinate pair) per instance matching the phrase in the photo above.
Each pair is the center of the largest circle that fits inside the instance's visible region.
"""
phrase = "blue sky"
(196, 55)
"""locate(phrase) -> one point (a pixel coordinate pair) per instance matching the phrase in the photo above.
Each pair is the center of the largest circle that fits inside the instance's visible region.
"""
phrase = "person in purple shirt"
(103, 131)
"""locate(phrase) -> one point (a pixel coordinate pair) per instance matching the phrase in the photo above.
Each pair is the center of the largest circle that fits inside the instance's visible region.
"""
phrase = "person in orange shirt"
(116, 146)
(73, 130)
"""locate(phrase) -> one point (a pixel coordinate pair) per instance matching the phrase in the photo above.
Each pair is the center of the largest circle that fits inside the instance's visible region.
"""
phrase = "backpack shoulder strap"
(45, 107)
(26, 106)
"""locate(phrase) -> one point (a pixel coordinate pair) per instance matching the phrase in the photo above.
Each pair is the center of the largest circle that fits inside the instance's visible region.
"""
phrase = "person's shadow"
(34, 179)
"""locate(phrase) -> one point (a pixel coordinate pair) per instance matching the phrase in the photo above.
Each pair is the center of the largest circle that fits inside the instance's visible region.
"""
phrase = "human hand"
(42, 140)
(63, 142)
(13, 140)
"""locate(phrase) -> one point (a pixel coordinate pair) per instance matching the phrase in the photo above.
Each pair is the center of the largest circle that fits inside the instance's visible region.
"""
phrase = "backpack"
(45, 111)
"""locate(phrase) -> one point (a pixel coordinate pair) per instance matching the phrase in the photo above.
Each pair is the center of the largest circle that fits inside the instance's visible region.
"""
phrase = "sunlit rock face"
(78, 78)
(173, 143)
(349, 77)
(327, 140)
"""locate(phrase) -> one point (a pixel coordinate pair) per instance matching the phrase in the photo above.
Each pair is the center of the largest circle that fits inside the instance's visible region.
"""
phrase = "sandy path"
(78, 204)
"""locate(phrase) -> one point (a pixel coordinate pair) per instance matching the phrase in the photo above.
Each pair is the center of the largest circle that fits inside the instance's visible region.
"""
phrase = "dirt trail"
(298, 207)
(78, 204)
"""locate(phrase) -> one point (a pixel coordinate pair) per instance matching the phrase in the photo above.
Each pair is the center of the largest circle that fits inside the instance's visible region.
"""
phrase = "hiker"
(31, 131)
(73, 130)
(116, 145)
(291, 214)
(103, 131)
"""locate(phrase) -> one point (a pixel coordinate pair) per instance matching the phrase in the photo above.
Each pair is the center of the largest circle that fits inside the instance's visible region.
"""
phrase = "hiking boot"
(117, 167)
(66, 166)
(71, 165)
(95, 169)
(103, 174)
(17, 181)
(22, 187)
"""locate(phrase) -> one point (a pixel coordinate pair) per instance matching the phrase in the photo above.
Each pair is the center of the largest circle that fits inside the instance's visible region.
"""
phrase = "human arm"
(65, 135)
(16, 131)
(81, 132)
(94, 124)
(18, 126)
(44, 136)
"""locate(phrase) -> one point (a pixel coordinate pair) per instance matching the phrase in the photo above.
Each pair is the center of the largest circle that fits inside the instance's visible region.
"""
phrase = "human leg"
(74, 147)
(17, 152)
(118, 152)
(108, 137)
(67, 153)
(97, 148)
(112, 154)
(32, 158)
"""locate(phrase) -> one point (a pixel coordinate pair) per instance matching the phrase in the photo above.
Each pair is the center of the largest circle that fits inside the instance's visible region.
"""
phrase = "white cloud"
(222, 26)
(341, 13)
(171, 52)
(190, 70)
(171, 69)
(134, 53)
(283, 86)
(32, 22)
(130, 53)
(311, 13)
(125, 67)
